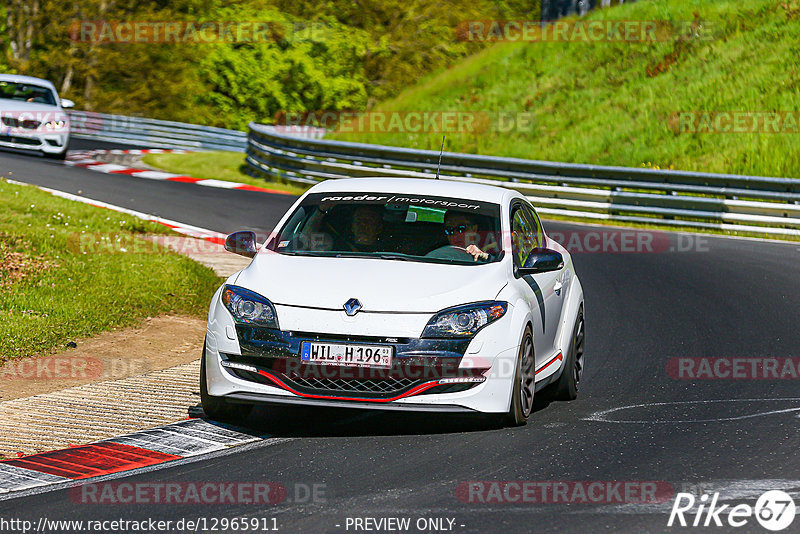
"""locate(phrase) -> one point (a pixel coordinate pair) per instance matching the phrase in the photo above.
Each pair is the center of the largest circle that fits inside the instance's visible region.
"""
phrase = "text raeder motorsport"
(401, 200)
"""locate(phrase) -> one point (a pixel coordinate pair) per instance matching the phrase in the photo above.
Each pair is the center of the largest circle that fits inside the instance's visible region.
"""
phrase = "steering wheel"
(450, 252)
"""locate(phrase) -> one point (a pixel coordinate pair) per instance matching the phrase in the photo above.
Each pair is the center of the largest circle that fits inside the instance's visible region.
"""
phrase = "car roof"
(416, 186)
(26, 79)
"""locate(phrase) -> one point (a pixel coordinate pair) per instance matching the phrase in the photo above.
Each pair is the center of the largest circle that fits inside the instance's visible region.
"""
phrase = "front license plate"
(346, 354)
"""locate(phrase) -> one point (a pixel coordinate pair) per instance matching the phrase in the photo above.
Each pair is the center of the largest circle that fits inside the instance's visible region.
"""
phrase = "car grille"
(352, 382)
(385, 386)
(20, 140)
(16, 123)
(369, 388)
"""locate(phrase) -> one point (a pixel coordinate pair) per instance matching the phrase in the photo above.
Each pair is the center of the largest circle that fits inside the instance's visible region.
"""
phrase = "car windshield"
(27, 92)
(393, 227)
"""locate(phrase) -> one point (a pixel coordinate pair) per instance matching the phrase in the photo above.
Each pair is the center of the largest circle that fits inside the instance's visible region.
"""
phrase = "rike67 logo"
(774, 510)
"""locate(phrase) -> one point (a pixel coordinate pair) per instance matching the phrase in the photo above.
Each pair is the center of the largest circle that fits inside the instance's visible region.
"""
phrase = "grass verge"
(615, 102)
(70, 270)
(228, 166)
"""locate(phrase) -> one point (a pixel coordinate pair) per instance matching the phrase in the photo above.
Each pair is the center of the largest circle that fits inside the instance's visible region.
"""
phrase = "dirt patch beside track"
(159, 343)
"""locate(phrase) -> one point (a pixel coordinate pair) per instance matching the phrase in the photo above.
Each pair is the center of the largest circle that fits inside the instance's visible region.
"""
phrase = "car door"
(553, 284)
(540, 289)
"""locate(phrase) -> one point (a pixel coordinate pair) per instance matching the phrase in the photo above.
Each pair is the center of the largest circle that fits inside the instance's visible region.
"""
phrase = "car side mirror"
(542, 260)
(66, 103)
(243, 243)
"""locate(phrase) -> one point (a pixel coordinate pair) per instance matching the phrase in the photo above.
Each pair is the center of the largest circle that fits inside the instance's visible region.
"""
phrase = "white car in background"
(405, 294)
(32, 116)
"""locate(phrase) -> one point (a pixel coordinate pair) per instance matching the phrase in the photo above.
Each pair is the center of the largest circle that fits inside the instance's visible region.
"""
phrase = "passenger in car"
(461, 230)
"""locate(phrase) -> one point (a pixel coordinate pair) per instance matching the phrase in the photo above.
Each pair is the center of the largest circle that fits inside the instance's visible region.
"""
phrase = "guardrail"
(755, 204)
(154, 133)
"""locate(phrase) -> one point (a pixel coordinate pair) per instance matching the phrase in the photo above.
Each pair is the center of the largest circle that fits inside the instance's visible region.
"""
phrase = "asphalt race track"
(634, 421)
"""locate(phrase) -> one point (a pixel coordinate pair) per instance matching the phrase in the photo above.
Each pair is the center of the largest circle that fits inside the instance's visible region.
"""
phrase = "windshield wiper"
(369, 255)
(398, 256)
(306, 253)
(378, 255)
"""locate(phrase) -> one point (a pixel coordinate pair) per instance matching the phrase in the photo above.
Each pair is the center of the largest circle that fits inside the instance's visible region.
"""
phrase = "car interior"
(405, 230)
(26, 93)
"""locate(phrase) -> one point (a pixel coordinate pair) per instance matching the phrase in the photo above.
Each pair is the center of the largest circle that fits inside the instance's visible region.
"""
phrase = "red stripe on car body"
(545, 366)
(413, 391)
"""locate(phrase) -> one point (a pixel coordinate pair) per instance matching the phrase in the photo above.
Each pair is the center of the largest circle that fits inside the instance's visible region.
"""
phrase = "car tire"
(524, 383)
(566, 388)
(217, 408)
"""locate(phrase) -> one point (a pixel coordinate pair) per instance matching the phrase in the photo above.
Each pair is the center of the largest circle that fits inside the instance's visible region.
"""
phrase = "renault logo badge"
(352, 306)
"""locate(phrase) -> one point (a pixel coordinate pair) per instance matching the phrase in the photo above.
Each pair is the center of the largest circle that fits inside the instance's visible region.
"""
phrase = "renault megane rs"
(402, 294)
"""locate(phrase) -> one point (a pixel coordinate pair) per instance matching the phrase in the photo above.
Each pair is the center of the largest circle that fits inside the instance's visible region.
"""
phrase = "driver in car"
(462, 231)
(366, 227)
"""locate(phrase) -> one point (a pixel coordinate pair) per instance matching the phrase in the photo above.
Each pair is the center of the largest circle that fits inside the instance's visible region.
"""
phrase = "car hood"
(381, 285)
(7, 104)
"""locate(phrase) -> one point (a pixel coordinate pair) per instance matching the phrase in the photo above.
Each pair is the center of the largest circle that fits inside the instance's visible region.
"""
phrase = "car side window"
(537, 226)
(523, 235)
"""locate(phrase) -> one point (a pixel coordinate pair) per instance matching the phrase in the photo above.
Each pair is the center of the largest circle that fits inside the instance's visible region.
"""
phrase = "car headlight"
(55, 125)
(464, 321)
(249, 308)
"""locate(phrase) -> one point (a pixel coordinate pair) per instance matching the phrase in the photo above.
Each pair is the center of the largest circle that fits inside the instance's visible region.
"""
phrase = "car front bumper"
(50, 143)
(258, 365)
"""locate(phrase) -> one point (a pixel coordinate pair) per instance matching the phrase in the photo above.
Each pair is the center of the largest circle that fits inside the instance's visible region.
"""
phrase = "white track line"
(181, 228)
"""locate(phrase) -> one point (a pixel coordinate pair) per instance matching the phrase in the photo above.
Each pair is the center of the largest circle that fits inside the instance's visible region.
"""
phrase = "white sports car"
(32, 116)
(404, 294)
